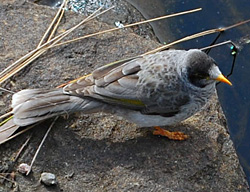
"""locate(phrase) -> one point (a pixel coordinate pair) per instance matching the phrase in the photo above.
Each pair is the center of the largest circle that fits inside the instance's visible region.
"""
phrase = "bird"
(155, 90)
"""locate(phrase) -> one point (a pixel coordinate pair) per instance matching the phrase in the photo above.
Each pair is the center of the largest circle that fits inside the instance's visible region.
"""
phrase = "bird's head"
(202, 69)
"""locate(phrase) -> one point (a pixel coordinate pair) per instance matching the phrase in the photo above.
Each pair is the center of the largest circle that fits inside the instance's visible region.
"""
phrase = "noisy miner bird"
(154, 90)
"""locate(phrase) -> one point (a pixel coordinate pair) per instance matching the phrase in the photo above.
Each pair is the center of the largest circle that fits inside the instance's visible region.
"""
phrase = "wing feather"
(117, 84)
(129, 81)
(114, 83)
(100, 72)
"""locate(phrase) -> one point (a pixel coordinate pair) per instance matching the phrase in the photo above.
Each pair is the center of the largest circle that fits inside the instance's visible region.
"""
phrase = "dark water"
(216, 13)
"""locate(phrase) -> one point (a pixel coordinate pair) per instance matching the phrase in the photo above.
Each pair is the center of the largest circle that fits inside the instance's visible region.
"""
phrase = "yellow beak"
(223, 79)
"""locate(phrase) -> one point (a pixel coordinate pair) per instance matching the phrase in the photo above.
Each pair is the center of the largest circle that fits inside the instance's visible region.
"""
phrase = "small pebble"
(70, 175)
(48, 178)
(119, 25)
(23, 168)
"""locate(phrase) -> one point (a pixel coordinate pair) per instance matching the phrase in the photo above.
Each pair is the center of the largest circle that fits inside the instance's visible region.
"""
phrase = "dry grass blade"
(22, 147)
(21, 63)
(58, 21)
(236, 25)
(19, 133)
(92, 16)
(3, 177)
(11, 67)
(59, 12)
(127, 26)
(6, 90)
(5, 115)
(216, 45)
(39, 147)
(196, 35)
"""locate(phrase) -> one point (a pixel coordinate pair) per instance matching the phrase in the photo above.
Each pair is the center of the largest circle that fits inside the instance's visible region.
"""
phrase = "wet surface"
(235, 100)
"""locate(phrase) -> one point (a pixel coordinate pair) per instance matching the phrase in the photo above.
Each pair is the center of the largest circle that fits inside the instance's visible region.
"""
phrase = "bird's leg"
(171, 135)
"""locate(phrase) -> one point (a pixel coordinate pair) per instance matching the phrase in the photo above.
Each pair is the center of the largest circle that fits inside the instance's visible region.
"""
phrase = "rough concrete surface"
(100, 152)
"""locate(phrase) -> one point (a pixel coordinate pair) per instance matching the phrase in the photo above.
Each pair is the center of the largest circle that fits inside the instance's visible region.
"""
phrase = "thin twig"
(236, 25)
(4, 121)
(6, 115)
(10, 70)
(216, 45)
(211, 31)
(90, 17)
(23, 146)
(55, 40)
(203, 33)
(58, 21)
(6, 90)
(23, 64)
(19, 133)
(53, 22)
(3, 177)
(126, 26)
(38, 149)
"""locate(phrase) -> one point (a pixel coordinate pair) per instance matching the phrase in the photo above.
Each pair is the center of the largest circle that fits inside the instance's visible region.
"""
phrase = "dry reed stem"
(19, 133)
(59, 12)
(39, 147)
(127, 26)
(22, 147)
(58, 21)
(14, 68)
(5, 115)
(203, 33)
(216, 45)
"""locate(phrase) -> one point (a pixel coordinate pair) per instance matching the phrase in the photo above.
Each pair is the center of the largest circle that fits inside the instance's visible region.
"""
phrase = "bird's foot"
(171, 135)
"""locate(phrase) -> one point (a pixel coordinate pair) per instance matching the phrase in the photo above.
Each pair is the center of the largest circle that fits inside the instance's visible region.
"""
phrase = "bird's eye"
(201, 76)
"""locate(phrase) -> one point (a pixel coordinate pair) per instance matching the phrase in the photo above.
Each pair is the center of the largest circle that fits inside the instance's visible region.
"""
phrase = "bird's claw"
(180, 136)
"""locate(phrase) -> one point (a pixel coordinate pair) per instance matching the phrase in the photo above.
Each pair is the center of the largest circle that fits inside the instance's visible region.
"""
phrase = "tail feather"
(34, 105)
(24, 95)
(7, 130)
(40, 105)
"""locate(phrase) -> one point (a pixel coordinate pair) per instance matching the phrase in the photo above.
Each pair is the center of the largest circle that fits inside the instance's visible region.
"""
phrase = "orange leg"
(171, 135)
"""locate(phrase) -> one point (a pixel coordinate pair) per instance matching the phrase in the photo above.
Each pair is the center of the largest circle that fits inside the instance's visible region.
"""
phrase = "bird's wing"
(118, 84)
(115, 84)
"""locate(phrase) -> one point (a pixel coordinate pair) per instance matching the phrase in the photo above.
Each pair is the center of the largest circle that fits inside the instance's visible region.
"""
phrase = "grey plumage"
(159, 89)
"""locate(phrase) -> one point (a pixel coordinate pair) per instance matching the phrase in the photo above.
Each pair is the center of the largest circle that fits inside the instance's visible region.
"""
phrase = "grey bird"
(154, 90)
